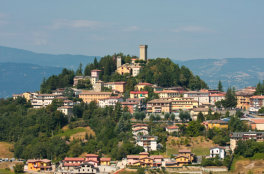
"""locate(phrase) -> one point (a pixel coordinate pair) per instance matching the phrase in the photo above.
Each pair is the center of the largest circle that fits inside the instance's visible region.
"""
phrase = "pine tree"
(79, 71)
(220, 86)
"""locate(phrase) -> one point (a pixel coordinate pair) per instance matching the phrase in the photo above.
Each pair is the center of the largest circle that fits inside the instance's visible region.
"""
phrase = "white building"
(135, 70)
(66, 110)
(200, 96)
(111, 101)
(139, 131)
(217, 151)
(42, 100)
(149, 143)
(216, 97)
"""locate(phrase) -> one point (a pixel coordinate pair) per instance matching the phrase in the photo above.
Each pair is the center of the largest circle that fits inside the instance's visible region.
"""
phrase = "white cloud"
(75, 24)
(193, 29)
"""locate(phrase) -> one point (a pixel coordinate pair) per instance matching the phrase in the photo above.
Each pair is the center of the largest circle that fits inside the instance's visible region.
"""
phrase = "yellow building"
(159, 106)
(187, 153)
(210, 124)
(141, 86)
(183, 103)
(105, 161)
(39, 165)
(88, 96)
(138, 94)
(124, 69)
(168, 93)
(243, 101)
(118, 86)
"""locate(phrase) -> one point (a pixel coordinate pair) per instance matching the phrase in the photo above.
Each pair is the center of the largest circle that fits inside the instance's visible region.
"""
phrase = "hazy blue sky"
(179, 29)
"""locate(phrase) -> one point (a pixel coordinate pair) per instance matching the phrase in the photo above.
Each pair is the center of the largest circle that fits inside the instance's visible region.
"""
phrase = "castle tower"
(95, 75)
(143, 52)
(118, 61)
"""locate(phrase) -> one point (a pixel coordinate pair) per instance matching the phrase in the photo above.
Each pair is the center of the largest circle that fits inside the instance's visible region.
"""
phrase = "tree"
(19, 168)
(261, 110)
(230, 99)
(195, 128)
(79, 71)
(200, 117)
(167, 116)
(185, 116)
(172, 117)
(220, 86)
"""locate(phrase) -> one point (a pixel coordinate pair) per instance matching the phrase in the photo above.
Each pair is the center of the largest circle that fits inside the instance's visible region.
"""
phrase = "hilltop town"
(133, 114)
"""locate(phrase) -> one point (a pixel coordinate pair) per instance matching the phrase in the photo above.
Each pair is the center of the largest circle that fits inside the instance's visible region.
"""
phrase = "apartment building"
(88, 96)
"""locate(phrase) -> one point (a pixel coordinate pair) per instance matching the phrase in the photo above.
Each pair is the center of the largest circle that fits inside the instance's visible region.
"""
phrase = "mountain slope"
(22, 77)
(238, 72)
(15, 55)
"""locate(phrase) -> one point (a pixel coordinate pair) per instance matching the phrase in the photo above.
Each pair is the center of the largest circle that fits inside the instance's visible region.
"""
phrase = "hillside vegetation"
(5, 150)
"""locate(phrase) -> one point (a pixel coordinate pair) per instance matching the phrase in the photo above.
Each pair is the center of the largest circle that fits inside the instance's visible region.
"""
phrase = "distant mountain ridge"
(237, 72)
(23, 77)
(15, 55)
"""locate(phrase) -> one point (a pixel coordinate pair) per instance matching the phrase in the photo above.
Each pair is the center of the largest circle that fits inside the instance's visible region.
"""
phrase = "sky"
(178, 29)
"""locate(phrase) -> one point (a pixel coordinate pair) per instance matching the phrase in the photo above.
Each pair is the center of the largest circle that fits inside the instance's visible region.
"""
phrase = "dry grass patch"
(5, 150)
(199, 145)
(247, 165)
(76, 133)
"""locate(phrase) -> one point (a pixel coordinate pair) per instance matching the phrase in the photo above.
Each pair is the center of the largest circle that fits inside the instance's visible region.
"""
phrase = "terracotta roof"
(258, 96)
(129, 103)
(40, 160)
(73, 159)
(91, 155)
(159, 101)
(138, 92)
(257, 120)
(105, 159)
(172, 127)
(136, 129)
(136, 125)
(96, 70)
(185, 151)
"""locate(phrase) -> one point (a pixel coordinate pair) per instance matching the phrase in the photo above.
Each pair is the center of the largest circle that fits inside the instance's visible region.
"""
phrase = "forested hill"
(160, 71)
(238, 72)
(15, 55)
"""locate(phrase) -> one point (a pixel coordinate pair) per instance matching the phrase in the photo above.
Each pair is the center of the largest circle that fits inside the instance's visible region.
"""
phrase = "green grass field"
(70, 132)
(3, 171)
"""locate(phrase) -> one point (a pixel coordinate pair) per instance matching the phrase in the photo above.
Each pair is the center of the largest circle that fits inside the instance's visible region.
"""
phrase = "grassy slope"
(3, 171)
(76, 133)
(199, 145)
(241, 164)
(4, 150)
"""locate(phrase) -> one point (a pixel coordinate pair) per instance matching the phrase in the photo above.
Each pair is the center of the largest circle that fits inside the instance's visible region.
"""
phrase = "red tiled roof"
(105, 159)
(96, 70)
(217, 95)
(172, 127)
(137, 125)
(142, 128)
(257, 120)
(38, 160)
(258, 96)
(73, 159)
(91, 155)
(138, 92)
